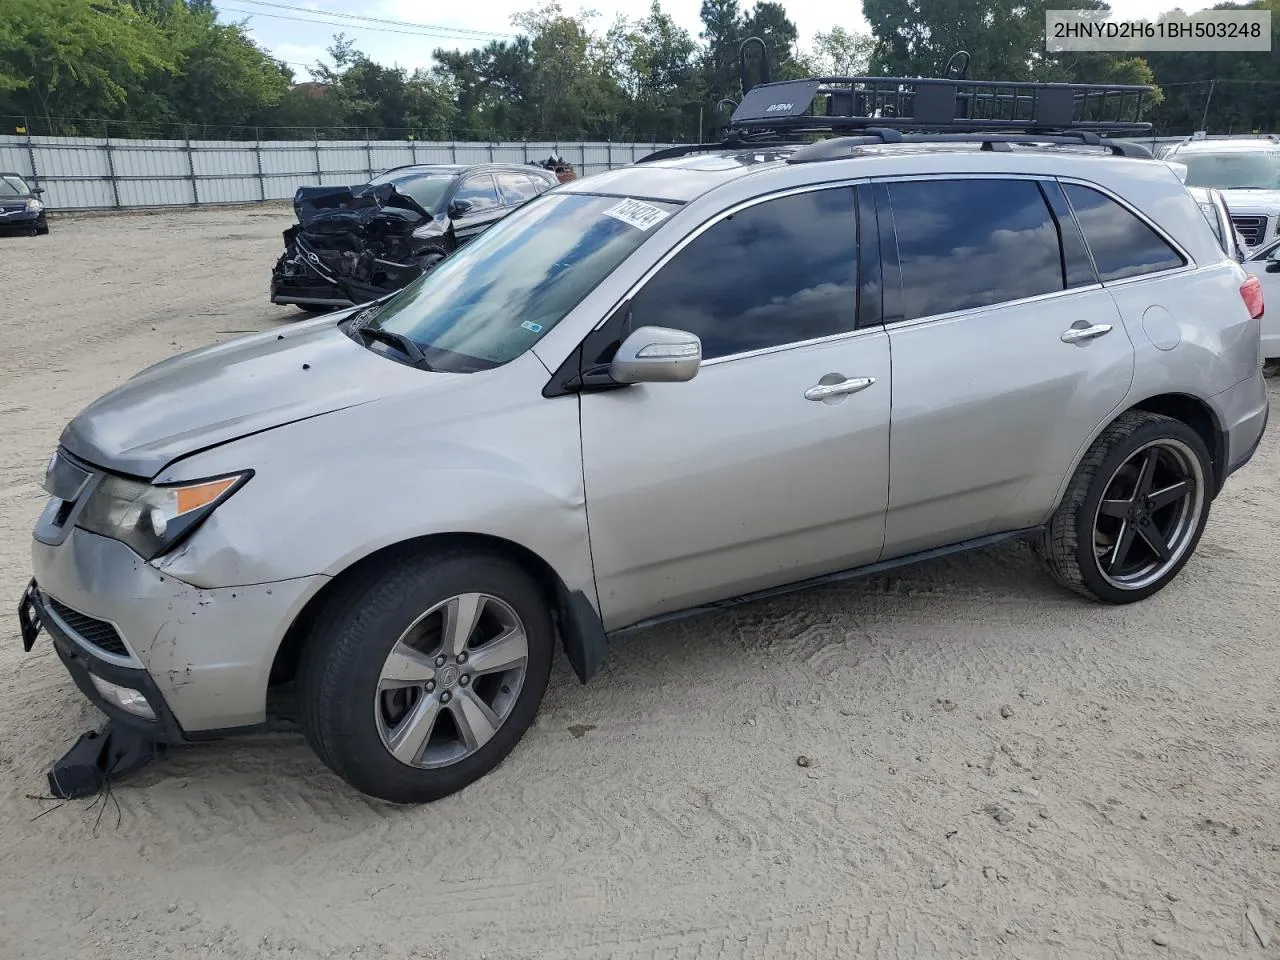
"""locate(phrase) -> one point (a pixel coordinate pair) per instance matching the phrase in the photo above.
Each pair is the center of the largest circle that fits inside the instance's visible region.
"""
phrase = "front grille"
(1252, 229)
(97, 633)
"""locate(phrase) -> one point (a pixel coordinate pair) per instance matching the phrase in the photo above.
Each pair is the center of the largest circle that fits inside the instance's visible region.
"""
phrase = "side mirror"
(460, 208)
(657, 355)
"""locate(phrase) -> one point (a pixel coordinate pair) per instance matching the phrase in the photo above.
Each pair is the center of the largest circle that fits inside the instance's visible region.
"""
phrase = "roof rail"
(848, 104)
(839, 147)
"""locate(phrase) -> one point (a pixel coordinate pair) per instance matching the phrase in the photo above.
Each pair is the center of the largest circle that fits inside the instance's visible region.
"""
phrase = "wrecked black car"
(355, 244)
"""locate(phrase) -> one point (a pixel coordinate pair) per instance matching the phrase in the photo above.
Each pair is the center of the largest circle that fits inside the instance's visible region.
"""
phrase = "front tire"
(424, 673)
(1134, 512)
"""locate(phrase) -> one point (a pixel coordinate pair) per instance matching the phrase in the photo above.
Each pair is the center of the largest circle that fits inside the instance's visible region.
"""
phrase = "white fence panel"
(85, 173)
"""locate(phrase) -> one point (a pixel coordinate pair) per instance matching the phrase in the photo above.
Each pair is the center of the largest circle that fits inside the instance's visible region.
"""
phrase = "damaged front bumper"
(300, 278)
(200, 658)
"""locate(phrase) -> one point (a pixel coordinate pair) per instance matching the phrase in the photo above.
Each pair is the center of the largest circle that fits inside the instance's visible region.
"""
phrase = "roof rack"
(953, 108)
(845, 104)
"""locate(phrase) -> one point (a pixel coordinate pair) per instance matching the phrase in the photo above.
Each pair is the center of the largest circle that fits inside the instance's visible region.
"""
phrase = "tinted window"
(972, 243)
(480, 191)
(778, 272)
(516, 187)
(1122, 245)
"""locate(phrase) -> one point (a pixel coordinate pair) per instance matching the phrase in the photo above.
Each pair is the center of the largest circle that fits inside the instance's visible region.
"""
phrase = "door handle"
(1079, 334)
(825, 391)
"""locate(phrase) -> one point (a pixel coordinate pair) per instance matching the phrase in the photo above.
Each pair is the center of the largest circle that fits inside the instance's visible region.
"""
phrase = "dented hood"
(216, 394)
(356, 205)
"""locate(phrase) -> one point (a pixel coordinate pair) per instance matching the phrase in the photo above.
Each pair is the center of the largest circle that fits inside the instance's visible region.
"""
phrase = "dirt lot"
(996, 769)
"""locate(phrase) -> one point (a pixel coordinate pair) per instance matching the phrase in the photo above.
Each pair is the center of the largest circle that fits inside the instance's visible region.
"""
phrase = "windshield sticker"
(532, 327)
(637, 213)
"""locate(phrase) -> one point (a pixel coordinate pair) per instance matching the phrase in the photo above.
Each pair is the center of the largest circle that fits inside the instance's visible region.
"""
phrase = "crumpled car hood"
(212, 395)
(356, 205)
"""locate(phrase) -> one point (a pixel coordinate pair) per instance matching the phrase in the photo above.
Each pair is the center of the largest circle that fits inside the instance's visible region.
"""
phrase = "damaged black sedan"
(355, 244)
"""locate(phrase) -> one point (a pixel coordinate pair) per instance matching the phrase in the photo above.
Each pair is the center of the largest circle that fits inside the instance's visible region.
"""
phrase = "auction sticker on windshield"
(637, 213)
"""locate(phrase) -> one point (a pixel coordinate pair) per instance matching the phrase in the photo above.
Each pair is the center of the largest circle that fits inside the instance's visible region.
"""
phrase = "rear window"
(1122, 245)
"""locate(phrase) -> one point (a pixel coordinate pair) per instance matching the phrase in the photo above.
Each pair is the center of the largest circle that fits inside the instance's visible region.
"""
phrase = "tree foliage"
(71, 66)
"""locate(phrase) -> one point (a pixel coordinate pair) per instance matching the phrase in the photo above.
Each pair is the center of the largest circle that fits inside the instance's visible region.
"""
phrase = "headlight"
(152, 519)
(34, 205)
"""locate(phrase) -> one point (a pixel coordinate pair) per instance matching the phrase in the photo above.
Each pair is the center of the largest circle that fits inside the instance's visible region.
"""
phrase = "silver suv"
(697, 379)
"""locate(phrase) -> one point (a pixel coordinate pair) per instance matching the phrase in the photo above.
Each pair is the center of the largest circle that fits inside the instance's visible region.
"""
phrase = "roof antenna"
(742, 63)
(957, 70)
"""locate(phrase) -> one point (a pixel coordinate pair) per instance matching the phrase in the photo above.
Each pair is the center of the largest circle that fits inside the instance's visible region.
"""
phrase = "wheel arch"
(578, 623)
(1184, 407)
(1200, 417)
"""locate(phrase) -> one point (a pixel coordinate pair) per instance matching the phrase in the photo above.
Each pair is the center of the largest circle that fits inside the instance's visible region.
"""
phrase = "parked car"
(717, 374)
(1214, 207)
(1264, 263)
(1247, 171)
(21, 209)
(354, 244)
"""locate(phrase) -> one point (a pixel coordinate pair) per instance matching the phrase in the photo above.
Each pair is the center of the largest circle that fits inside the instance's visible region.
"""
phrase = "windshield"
(13, 187)
(427, 190)
(495, 297)
(1233, 170)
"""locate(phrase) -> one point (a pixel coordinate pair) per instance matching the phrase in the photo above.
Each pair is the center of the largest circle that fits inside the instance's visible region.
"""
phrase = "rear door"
(484, 204)
(1007, 355)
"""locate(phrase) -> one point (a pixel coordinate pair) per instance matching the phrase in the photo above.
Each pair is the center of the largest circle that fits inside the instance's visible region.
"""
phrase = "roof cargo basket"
(866, 110)
(847, 104)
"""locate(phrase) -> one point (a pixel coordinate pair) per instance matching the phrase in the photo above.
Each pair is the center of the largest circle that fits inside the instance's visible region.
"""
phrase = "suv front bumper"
(202, 658)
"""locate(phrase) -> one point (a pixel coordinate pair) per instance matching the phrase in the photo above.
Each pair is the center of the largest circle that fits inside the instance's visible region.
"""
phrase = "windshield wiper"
(397, 340)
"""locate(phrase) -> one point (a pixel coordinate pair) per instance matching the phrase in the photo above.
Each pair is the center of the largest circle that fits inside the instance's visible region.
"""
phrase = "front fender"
(480, 453)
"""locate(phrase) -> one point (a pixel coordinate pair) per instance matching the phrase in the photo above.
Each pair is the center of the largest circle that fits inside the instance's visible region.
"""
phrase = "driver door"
(745, 477)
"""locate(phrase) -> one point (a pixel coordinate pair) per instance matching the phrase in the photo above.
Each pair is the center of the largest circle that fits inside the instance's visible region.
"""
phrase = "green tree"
(839, 53)
(221, 76)
(653, 65)
(75, 58)
(573, 92)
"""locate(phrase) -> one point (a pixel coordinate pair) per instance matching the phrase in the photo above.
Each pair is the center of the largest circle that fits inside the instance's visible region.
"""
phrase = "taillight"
(1251, 293)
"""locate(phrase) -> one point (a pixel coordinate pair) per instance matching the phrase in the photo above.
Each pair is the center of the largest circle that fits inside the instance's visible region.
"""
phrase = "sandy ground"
(1125, 806)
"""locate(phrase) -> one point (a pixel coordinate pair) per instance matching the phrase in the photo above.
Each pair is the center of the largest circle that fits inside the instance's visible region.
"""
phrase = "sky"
(286, 27)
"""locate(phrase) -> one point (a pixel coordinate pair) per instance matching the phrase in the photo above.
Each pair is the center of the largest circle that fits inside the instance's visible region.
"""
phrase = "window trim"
(1188, 262)
(969, 311)
(842, 183)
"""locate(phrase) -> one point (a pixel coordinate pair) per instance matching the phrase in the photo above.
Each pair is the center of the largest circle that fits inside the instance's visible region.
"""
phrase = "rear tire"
(1134, 511)
(424, 672)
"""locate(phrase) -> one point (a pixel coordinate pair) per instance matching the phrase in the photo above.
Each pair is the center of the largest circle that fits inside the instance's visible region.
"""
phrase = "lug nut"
(462, 657)
(431, 685)
(445, 697)
(464, 680)
(440, 660)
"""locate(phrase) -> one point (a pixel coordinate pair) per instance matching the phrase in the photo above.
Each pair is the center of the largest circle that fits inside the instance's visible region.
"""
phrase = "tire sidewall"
(1087, 558)
(353, 743)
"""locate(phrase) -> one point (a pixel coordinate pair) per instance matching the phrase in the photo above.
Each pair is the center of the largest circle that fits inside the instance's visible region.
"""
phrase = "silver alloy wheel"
(1148, 515)
(451, 680)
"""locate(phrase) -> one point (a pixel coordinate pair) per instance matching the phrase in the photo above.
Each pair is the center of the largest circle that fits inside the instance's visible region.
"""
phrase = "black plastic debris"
(98, 758)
